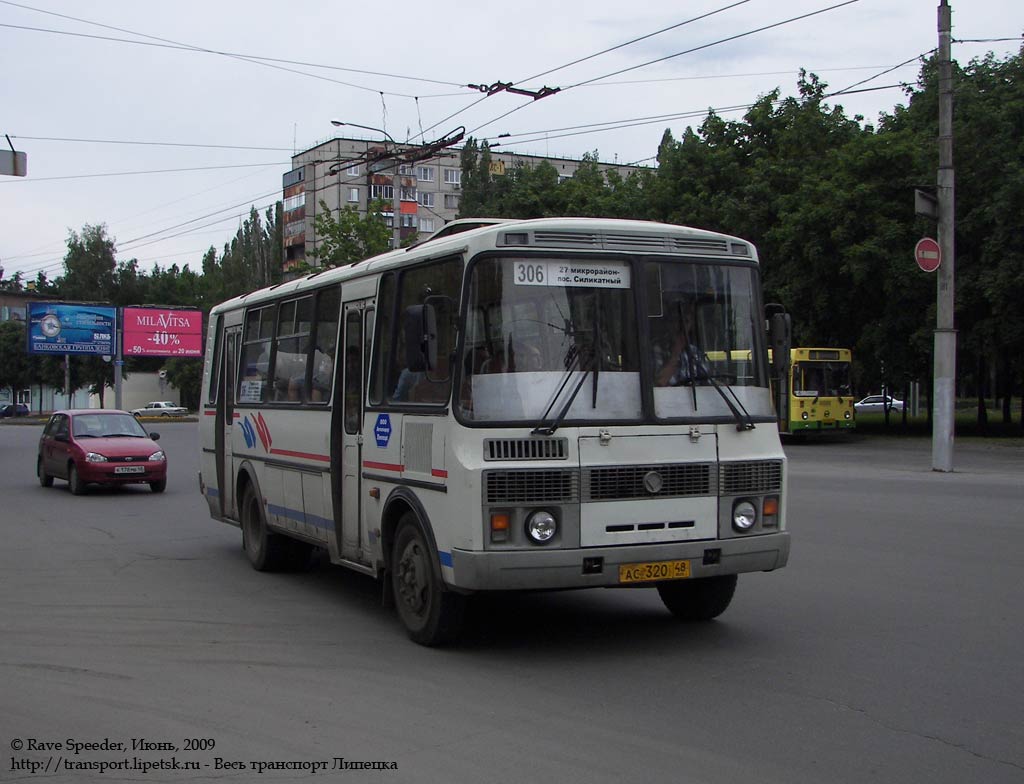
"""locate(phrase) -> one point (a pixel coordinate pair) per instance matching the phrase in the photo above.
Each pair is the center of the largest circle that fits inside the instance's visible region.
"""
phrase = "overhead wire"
(708, 77)
(148, 144)
(243, 58)
(679, 54)
(630, 42)
(179, 45)
(847, 90)
(49, 264)
(25, 181)
(268, 62)
(562, 67)
(716, 43)
(49, 246)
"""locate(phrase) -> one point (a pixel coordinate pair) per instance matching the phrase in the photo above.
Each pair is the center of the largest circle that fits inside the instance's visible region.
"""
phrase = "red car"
(99, 446)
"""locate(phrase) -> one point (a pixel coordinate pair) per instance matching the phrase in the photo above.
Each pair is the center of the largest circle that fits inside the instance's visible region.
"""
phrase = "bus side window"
(353, 371)
(259, 332)
(325, 346)
(381, 382)
(293, 344)
(435, 285)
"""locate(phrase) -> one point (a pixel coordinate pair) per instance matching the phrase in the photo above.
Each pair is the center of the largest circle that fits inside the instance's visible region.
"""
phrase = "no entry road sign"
(927, 254)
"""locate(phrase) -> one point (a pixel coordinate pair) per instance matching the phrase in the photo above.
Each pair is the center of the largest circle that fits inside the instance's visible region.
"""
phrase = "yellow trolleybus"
(540, 404)
(817, 396)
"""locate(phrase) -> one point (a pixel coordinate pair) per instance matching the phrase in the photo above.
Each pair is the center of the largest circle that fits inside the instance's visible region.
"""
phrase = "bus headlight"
(744, 515)
(847, 414)
(803, 415)
(541, 527)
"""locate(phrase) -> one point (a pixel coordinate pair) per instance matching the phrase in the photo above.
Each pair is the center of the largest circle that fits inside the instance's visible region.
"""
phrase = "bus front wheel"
(698, 599)
(431, 615)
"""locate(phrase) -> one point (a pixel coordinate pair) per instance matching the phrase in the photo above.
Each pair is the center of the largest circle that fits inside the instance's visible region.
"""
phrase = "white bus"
(506, 408)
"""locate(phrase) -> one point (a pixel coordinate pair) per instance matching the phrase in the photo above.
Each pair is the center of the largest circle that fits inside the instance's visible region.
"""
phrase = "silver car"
(161, 408)
(877, 403)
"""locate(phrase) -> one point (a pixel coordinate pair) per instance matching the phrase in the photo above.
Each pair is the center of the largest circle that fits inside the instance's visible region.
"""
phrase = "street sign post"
(927, 254)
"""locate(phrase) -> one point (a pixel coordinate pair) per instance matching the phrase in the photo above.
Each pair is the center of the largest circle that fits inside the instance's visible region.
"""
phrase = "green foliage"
(89, 266)
(186, 375)
(535, 191)
(15, 370)
(349, 238)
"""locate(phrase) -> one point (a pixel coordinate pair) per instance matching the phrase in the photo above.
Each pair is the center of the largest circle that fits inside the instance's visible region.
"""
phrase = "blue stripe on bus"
(300, 516)
(446, 558)
(213, 492)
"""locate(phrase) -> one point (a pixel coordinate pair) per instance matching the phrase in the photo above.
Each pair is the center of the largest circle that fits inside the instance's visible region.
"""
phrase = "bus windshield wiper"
(574, 362)
(742, 416)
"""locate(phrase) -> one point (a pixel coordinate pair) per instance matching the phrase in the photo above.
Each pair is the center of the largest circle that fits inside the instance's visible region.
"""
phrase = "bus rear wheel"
(698, 599)
(431, 615)
(268, 552)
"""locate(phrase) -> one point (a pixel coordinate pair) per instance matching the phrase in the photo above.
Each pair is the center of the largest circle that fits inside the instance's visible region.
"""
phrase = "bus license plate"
(654, 571)
(130, 470)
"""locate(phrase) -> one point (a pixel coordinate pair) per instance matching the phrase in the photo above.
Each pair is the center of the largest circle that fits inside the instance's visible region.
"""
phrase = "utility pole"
(944, 399)
(118, 357)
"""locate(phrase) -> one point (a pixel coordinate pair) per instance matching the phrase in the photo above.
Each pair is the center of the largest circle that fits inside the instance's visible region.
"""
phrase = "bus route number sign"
(382, 430)
(597, 275)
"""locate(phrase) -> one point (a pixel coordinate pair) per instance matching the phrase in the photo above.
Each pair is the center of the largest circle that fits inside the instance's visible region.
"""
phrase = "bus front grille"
(629, 482)
(615, 483)
(531, 487)
(750, 476)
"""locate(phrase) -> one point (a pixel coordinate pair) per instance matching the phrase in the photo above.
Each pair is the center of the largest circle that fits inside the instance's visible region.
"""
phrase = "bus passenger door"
(349, 430)
(225, 422)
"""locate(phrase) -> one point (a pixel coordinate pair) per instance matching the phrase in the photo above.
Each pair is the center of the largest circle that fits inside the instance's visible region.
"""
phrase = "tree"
(89, 276)
(350, 238)
(89, 266)
(15, 369)
(186, 375)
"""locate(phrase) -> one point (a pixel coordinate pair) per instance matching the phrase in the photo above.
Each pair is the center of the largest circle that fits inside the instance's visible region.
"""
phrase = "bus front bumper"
(595, 567)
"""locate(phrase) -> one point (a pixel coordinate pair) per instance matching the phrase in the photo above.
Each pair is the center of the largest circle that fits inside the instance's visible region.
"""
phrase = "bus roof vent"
(526, 449)
(567, 239)
(638, 242)
(699, 245)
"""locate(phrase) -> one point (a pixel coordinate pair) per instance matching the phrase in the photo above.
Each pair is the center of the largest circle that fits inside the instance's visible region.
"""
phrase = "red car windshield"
(107, 426)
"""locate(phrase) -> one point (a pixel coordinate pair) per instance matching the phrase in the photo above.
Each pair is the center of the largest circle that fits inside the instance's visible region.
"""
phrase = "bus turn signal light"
(500, 524)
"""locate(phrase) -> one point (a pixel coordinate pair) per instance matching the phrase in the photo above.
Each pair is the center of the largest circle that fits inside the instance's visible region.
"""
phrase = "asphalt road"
(890, 649)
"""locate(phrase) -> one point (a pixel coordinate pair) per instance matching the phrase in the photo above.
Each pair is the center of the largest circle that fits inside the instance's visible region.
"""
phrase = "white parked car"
(877, 403)
(162, 408)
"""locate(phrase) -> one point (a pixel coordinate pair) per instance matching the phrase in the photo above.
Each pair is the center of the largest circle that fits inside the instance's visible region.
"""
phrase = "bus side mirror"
(420, 338)
(779, 340)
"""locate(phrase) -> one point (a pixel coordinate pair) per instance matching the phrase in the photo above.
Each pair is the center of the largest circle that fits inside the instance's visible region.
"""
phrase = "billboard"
(160, 332)
(71, 328)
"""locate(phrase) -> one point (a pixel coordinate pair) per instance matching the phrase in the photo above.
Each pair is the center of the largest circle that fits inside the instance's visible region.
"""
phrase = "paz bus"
(817, 396)
(493, 410)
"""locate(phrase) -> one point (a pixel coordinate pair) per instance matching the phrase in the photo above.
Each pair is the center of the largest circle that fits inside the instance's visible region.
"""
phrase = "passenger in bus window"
(407, 381)
(323, 371)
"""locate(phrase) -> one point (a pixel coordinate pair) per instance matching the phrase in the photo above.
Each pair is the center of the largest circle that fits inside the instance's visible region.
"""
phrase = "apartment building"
(422, 196)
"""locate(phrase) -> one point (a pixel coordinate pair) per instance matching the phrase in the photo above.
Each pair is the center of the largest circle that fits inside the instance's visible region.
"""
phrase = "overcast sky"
(104, 95)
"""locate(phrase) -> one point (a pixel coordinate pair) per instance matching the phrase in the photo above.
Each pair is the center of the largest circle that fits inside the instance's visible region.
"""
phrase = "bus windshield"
(554, 339)
(821, 379)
